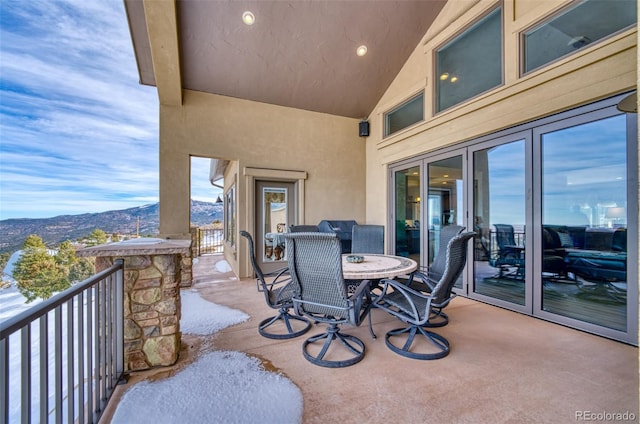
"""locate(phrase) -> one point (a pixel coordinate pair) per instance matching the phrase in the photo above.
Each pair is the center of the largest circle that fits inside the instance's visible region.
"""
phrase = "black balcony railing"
(61, 360)
(209, 240)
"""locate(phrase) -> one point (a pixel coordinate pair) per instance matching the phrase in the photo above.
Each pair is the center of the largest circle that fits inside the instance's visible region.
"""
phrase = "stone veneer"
(154, 271)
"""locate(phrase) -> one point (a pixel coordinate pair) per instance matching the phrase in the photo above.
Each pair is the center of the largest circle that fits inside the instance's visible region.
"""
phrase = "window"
(471, 63)
(575, 28)
(230, 215)
(405, 115)
(584, 221)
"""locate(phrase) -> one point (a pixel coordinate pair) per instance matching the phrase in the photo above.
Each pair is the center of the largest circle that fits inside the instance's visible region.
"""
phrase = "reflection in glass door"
(445, 205)
(275, 212)
(584, 222)
(499, 210)
(407, 212)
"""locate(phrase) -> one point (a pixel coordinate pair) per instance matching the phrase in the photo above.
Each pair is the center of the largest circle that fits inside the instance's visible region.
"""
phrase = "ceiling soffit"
(299, 54)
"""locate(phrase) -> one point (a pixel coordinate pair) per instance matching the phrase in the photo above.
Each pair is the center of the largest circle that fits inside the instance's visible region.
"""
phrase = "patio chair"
(416, 308)
(303, 229)
(367, 239)
(426, 278)
(508, 255)
(315, 263)
(278, 294)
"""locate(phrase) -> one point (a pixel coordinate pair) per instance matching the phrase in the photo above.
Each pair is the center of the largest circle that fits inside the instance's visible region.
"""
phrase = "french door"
(275, 211)
(445, 200)
(554, 207)
(500, 206)
(428, 196)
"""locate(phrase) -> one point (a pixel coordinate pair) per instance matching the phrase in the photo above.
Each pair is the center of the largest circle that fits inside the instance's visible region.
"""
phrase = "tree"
(96, 237)
(81, 270)
(33, 241)
(77, 269)
(38, 274)
(4, 258)
(66, 256)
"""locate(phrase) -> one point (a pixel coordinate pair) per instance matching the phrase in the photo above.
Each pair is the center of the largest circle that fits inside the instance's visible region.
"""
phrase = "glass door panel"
(499, 210)
(408, 211)
(276, 211)
(584, 222)
(445, 205)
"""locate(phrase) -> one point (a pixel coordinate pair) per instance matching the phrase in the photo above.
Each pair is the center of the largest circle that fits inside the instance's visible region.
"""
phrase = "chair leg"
(286, 318)
(437, 319)
(440, 343)
(354, 345)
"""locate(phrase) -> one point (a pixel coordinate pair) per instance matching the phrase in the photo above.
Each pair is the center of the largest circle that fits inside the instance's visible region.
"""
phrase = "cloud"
(78, 132)
(201, 188)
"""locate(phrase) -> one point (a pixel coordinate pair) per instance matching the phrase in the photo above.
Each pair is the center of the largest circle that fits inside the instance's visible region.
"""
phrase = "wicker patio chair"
(367, 239)
(426, 277)
(416, 308)
(278, 294)
(315, 264)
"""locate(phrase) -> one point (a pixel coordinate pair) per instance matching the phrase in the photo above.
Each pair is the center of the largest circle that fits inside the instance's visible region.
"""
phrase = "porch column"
(153, 275)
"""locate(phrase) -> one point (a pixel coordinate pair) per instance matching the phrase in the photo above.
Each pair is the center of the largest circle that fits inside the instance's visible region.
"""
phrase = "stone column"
(153, 275)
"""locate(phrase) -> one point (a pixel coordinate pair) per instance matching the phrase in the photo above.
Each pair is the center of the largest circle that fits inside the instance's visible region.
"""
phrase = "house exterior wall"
(263, 136)
(607, 68)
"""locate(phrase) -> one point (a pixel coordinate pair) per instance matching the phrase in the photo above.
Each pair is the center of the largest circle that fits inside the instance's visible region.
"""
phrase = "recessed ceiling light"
(361, 51)
(248, 18)
(454, 79)
(444, 76)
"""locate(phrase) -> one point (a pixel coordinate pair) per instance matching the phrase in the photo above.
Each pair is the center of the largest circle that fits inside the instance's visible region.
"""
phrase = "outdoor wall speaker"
(364, 129)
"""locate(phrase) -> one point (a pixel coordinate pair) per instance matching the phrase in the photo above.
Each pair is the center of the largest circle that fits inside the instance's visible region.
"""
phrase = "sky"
(218, 387)
(78, 133)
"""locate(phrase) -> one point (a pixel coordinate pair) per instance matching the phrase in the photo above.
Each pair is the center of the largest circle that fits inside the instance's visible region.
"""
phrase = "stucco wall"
(599, 71)
(259, 135)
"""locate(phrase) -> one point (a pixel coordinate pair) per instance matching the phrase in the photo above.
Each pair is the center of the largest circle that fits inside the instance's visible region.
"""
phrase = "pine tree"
(96, 237)
(38, 274)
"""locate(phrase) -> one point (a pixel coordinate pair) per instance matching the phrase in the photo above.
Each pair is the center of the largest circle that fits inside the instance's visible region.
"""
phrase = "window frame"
(455, 36)
(546, 20)
(397, 107)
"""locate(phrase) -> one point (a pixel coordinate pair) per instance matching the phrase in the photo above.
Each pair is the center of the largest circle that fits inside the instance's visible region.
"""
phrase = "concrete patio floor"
(504, 367)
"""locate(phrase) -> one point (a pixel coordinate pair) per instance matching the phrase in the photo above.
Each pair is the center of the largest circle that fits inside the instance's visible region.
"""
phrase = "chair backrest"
(367, 239)
(256, 268)
(438, 265)
(504, 235)
(304, 229)
(315, 264)
(456, 258)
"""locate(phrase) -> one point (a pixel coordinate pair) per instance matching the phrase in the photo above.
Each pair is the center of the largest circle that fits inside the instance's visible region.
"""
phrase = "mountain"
(54, 230)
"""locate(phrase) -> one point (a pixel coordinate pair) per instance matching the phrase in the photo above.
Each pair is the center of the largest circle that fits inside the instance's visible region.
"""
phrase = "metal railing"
(209, 240)
(61, 360)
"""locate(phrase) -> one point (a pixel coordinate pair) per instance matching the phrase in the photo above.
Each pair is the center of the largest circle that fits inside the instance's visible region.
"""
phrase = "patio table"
(376, 267)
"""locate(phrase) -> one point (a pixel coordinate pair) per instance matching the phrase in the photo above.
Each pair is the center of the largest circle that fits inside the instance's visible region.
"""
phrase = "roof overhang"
(299, 54)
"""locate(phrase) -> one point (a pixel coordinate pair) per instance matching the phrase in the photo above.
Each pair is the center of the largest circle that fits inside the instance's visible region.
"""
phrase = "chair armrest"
(390, 301)
(282, 277)
(423, 275)
(403, 288)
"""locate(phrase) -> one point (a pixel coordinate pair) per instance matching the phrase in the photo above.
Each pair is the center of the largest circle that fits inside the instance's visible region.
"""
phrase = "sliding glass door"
(499, 219)
(445, 201)
(554, 207)
(408, 212)
(583, 255)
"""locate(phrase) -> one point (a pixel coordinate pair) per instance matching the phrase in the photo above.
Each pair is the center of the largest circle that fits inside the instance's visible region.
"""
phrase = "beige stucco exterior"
(282, 142)
(610, 67)
(344, 176)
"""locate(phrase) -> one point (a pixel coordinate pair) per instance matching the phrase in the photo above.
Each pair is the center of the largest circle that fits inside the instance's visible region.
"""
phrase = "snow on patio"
(219, 387)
